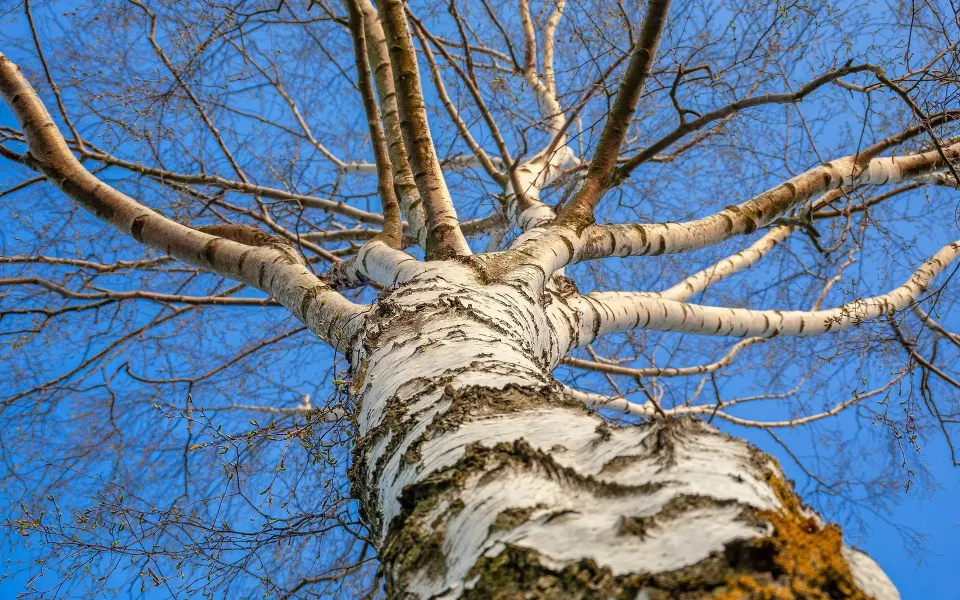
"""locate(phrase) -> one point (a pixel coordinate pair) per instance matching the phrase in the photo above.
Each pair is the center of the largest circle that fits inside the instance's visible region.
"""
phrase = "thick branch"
(670, 238)
(559, 246)
(379, 56)
(600, 174)
(277, 272)
(392, 233)
(607, 312)
(444, 238)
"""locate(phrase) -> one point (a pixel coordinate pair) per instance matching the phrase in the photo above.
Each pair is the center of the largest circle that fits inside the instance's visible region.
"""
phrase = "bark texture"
(483, 478)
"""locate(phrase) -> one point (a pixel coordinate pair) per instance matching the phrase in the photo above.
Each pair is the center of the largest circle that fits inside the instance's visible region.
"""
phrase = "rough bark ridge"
(484, 479)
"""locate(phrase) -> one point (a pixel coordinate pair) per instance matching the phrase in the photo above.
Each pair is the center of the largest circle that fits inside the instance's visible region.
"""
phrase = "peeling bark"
(482, 477)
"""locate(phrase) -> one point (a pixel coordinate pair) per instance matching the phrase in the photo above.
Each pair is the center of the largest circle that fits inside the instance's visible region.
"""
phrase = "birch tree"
(474, 299)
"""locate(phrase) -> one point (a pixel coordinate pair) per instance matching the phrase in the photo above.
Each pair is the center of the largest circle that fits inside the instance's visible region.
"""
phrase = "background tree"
(446, 296)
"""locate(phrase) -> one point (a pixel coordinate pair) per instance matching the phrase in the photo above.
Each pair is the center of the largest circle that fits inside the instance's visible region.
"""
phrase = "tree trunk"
(481, 478)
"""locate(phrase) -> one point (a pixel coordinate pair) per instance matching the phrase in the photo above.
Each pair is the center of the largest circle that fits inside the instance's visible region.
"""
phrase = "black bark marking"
(136, 228)
(243, 259)
(727, 222)
(662, 247)
(207, 252)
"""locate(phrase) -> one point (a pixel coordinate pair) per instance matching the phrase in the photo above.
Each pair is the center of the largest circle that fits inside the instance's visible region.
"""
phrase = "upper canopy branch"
(444, 238)
(544, 87)
(751, 255)
(559, 246)
(688, 127)
(425, 37)
(601, 171)
(670, 238)
(392, 233)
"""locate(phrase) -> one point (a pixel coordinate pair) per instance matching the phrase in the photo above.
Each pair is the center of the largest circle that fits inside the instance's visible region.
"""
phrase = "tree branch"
(280, 273)
(601, 313)
(408, 194)
(600, 175)
(392, 233)
(444, 238)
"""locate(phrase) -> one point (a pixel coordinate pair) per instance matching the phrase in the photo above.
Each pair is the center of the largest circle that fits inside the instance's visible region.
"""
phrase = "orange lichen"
(744, 586)
(807, 558)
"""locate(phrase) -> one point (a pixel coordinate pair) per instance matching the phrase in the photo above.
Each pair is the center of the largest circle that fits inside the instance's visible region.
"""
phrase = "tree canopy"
(164, 426)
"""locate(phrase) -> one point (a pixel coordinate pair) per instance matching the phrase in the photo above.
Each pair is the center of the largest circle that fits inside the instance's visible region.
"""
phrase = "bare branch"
(392, 233)
(600, 174)
(606, 312)
(444, 238)
(264, 267)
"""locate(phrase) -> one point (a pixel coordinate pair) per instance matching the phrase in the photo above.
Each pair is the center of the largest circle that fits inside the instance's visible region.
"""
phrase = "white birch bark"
(600, 313)
(472, 459)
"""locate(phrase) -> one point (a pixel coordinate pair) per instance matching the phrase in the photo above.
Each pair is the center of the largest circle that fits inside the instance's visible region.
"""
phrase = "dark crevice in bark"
(414, 542)
(464, 404)
(471, 402)
(798, 559)
(783, 566)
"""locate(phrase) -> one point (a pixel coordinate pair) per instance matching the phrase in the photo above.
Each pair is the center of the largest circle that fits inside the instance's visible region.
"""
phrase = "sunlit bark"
(484, 477)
